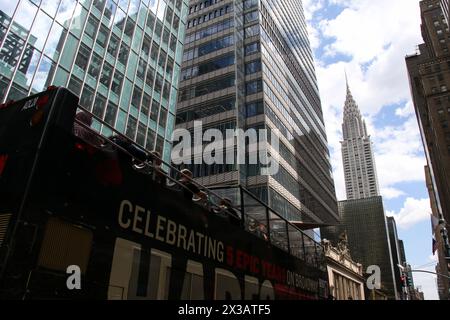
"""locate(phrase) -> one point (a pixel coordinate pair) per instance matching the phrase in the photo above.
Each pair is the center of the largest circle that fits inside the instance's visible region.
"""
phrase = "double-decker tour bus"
(75, 203)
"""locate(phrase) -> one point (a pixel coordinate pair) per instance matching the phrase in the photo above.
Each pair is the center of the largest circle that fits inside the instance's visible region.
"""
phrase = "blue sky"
(370, 39)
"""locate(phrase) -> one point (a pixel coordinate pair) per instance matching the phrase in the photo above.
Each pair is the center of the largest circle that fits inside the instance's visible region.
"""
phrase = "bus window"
(65, 244)
(4, 223)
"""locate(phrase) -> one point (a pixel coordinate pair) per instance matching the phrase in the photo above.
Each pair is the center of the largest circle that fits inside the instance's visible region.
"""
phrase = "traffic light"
(403, 280)
(409, 281)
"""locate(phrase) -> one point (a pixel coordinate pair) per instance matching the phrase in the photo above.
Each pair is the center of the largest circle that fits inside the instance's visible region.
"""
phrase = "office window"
(251, 16)
(253, 67)
(252, 48)
(254, 87)
(82, 59)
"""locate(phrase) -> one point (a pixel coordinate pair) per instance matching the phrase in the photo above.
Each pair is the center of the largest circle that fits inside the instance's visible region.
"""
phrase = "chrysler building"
(359, 163)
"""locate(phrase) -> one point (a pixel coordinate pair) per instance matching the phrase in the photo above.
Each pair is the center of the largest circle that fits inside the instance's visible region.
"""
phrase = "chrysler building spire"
(359, 164)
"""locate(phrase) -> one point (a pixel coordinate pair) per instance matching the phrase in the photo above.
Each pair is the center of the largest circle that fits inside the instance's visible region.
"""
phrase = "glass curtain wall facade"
(248, 64)
(395, 251)
(121, 57)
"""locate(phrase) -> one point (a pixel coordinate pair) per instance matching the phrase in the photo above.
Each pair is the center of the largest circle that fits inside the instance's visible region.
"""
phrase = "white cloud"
(406, 111)
(391, 193)
(413, 212)
(398, 153)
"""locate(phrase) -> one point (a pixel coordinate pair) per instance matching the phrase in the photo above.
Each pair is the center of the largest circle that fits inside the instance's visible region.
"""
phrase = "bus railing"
(256, 217)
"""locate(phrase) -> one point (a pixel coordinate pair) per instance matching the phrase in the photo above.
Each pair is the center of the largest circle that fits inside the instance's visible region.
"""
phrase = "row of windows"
(108, 112)
(297, 72)
(207, 87)
(296, 99)
(252, 48)
(250, 4)
(284, 207)
(253, 87)
(306, 155)
(251, 16)
(209, 16)
(252, 31)
(213, 108)
(294, 124)
(305, 174)
(153, 80)
(202, 5)
(254, 108)
(208, 31)
(253, 67)
(140, 101)
(209, 47)
(209, 66)
(284, 178)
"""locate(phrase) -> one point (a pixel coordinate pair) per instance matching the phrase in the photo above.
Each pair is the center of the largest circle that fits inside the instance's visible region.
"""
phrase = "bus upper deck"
(106, 206)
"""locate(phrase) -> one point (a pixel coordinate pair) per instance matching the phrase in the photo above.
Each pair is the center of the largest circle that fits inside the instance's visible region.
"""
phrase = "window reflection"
(24, 15)
(110, 10)
(158, 29)
(65, 11)
(8, 7)
(117, 82)
(106, 77)
(41, 29)
(94, 66)
(99, 4)
(161, 10)
(119, 20)
(5, 20)
(75, 85)
(27, 67)
(4, 82)
(99, 105)
(16, 92)
(83, 57)
(102, 36)
(91, 26)
(78, 20)
(150, 20)
(10, 53)
(153, 5)
(50, 6)
(123, 4)
(113, 47)
(110, 115)
(43, 75)
(134, 7)
(87, 97)
(123, 53)
(54, 42)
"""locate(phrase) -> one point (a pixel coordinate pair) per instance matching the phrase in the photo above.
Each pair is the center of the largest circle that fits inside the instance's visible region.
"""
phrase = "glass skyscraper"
(248, 64)
(121, 57)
